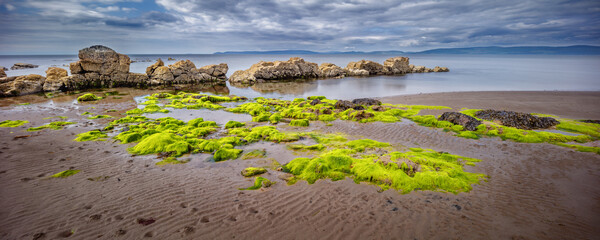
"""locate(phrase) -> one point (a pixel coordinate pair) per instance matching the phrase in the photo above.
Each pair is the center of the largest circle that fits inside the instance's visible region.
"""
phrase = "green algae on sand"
(253, 171)
(256, 153)
(95, 135)
(259, 182)
(65, 174)
(52, 125)
(13, 123)
(88, 97)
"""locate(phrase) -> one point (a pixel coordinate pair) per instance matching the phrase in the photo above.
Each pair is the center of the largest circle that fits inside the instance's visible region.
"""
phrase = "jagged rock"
(22, 85)
(469, 123)
(294, 68)
(218, 71)
(418, 69)
(18, 66)
(330, 70)
(440, 69)
(55, 79)
(366, 101)
(396, 65)
(2, 73)
(160, 75)
(151, 68)
(182, 67)
(517, 119)
(8, 79)
(354, 68)
(102, 60)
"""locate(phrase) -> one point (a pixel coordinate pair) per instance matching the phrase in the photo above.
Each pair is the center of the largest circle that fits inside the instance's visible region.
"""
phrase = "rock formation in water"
(185, 72)
(18, 66)
(294, 68)
(297, 68)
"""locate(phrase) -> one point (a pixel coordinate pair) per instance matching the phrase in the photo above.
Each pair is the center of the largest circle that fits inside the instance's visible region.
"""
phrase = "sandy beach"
(534, 191)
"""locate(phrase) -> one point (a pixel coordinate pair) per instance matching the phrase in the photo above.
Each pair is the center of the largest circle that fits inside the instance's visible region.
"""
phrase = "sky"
(198, 26)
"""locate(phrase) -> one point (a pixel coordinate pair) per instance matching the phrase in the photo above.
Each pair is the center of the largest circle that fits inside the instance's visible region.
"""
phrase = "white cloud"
(9, 7)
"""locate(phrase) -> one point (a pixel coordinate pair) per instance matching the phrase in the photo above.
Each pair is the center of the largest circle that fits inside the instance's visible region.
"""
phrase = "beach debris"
(18, 66)
(13, 123)
(146, 221)
(469, 123)
(517, 119)
(252, 171)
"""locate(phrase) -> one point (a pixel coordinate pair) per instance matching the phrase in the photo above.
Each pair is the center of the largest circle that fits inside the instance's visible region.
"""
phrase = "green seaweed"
(13, 123)
(52, 125)
(226, 153)
(65, 174)
(580, 148)
(88, 97)
(234, 124)
(171, 160)
(161, 142)
(361, 144)
(259, 182)
(94, 135)
(99, 116)
(299, 123)
(315, 147)
(253, 171)
(61, 117)
(256, 153)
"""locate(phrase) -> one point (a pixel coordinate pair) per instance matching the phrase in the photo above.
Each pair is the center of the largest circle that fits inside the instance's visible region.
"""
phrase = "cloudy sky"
(207, 26)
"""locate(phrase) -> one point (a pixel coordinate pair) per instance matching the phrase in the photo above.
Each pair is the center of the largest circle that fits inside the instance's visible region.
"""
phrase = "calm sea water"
(467, 73)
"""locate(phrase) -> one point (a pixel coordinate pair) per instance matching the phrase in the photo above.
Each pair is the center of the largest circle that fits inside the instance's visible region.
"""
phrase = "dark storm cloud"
(314, 24)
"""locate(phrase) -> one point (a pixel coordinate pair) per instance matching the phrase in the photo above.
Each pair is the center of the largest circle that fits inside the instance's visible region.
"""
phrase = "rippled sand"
(535, 191)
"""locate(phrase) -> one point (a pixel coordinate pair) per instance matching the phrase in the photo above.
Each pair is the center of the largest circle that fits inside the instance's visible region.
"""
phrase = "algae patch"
(88, 97)
(95, 135)
(65, 174)
(52, 125)
(259, 182)
(253, 171)
(13, 123)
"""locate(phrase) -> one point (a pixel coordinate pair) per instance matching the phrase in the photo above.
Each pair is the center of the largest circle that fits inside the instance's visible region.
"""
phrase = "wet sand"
(535, 191)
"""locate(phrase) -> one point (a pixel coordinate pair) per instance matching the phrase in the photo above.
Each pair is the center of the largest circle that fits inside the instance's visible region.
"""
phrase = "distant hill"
(541, 50)
(570, 50)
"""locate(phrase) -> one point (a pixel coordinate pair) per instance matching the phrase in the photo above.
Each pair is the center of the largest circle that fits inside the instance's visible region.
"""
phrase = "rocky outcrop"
(330, 70)
(366, 101)
(2, 73)
(22, 85)
(55, 79)
(185, 72)
(396, 65)
(517, 119)
(294, 68)
(362, 67)
(469, 123)
(440, 69)
(18, 66)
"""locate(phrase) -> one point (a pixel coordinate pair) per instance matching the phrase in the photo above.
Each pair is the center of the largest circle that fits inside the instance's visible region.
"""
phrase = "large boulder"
(517, 119)
(151, 68)
(294, 68)
(161, 75)
(2, 73)
(373, 68)
(22, 85)
(102, 60)
(396, 65)
(330, 70)
(18, 66)
(469, 123)
(217, 71)
(55, 79)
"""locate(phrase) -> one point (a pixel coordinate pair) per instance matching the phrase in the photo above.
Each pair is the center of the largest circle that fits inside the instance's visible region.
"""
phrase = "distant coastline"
(524, 50)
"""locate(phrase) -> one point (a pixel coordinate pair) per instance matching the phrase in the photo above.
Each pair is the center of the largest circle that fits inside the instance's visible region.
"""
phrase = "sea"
(467, 73)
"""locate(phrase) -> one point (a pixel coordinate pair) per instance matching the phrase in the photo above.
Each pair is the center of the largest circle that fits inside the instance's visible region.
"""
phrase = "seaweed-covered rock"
(517, 119)
(253, 171)
(18, 66)
(366, 101)
(360, 115)
(330, 70)
(396, 65)
(343, 105)
(468, 122)
(315, 101)
(359, 68)
(55, 79)
(294, 68)
(22, 85)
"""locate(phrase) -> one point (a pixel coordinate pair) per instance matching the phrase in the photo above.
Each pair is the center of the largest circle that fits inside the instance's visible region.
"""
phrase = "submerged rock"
(469, 123)
(516, 119)
(18, 66)
(22, 85)
(294, 68)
